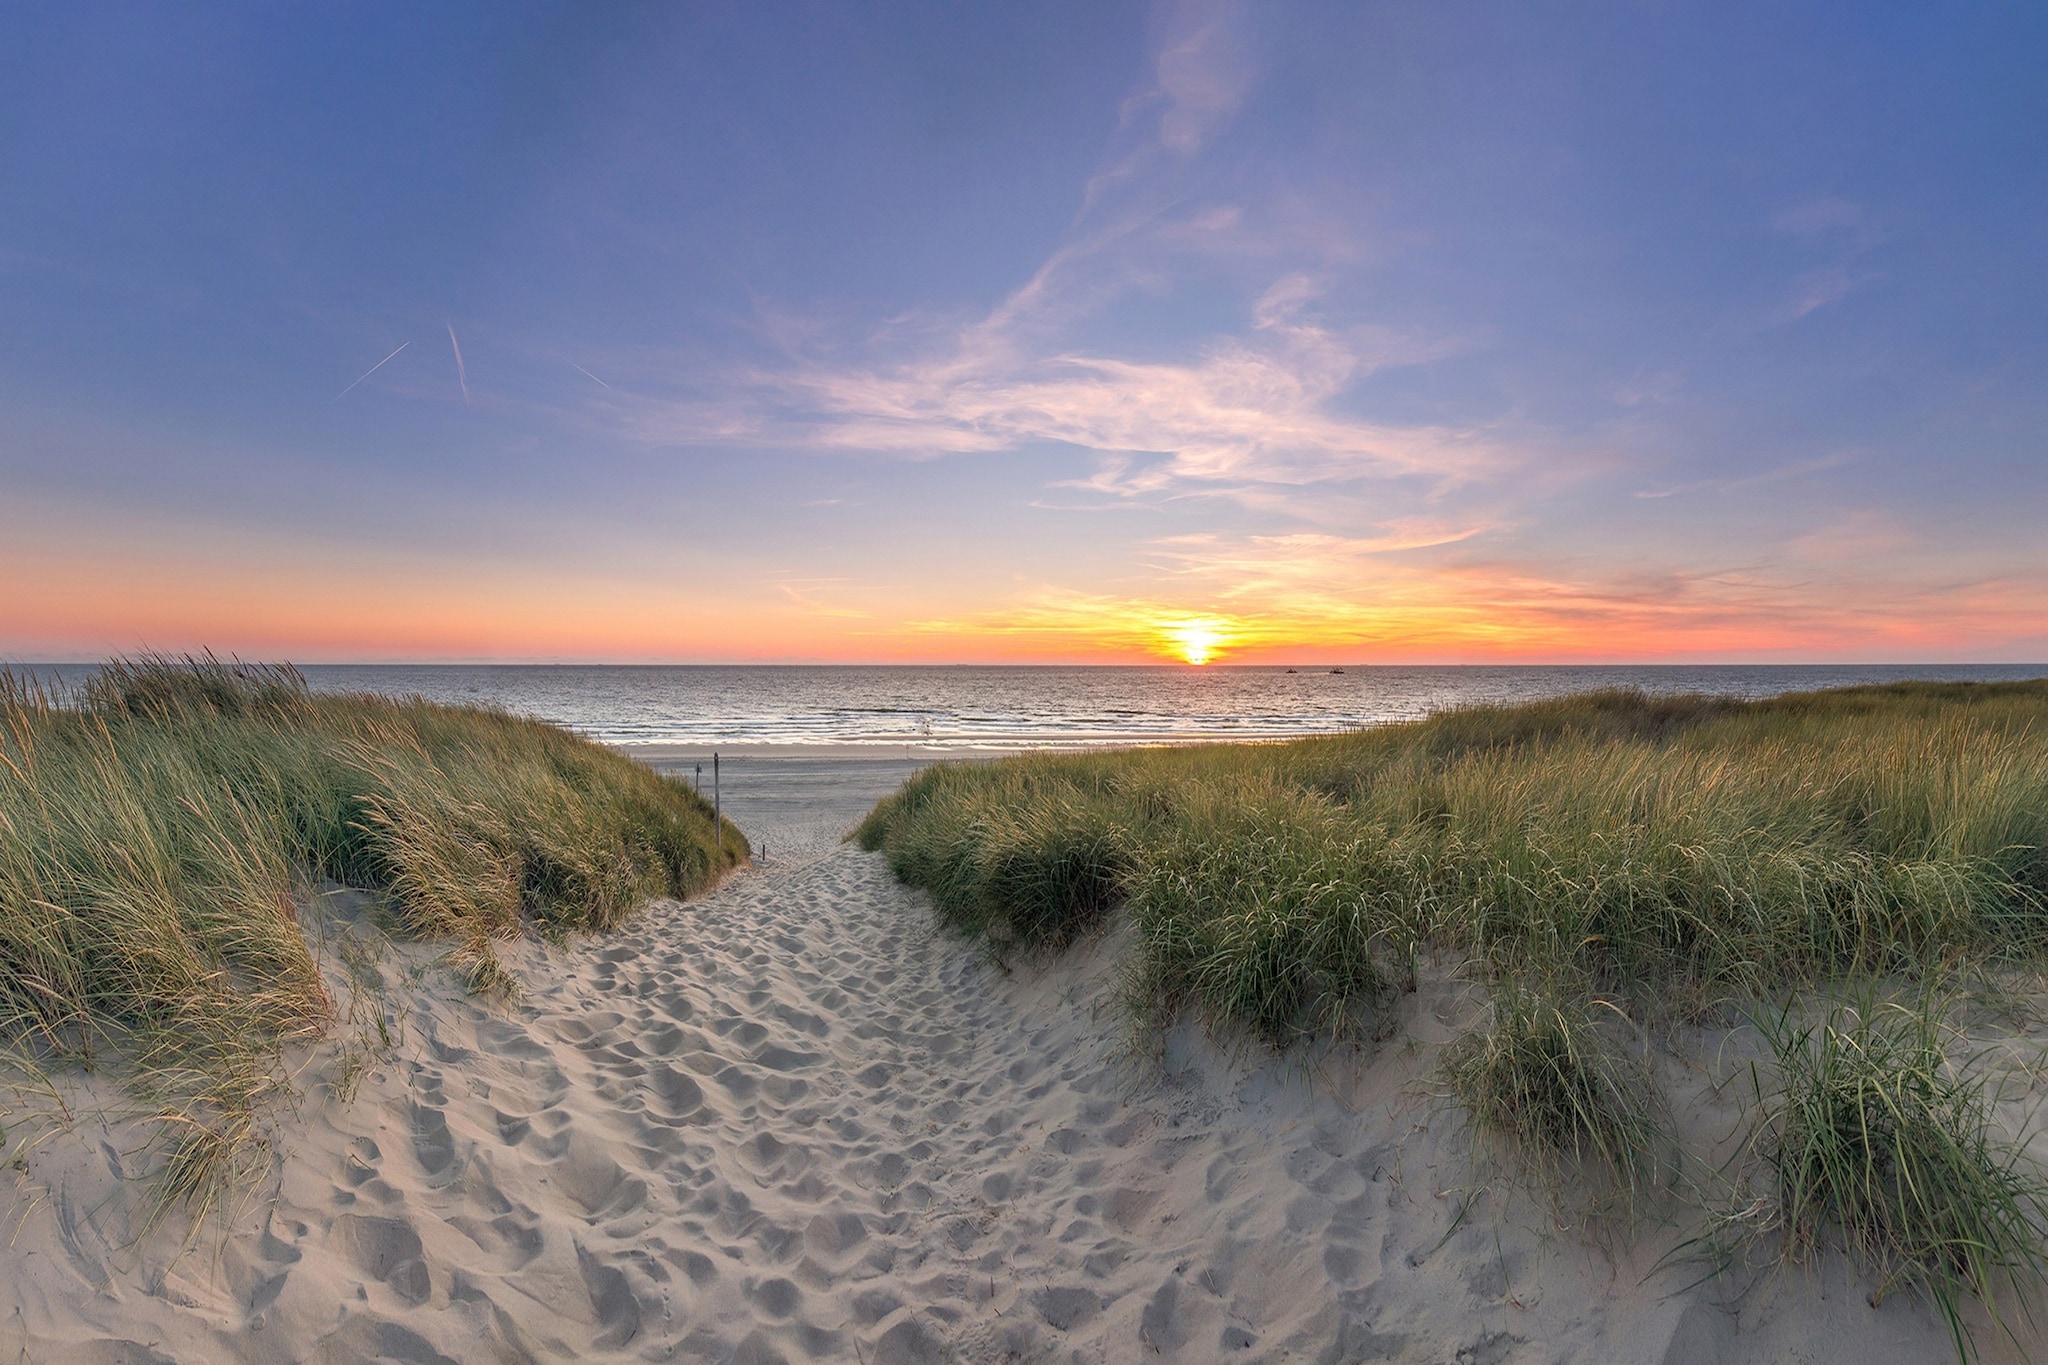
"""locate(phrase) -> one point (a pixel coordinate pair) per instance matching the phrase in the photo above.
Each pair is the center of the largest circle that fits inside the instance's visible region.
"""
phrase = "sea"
(940, 709)
(977, 708)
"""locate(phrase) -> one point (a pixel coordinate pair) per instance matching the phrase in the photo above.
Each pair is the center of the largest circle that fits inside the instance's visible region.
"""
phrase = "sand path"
(789, 1122)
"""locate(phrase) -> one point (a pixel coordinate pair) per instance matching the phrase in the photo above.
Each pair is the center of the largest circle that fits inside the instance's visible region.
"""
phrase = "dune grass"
(1880, 1142)
(156, 823)
(1681, 850)
(1548, 1073)
(1666, 857)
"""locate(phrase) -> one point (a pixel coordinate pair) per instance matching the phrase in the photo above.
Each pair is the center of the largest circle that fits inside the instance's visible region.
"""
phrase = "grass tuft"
(1249, 912)
(1548, 1076)
(1877, 1142)
(1032, 860)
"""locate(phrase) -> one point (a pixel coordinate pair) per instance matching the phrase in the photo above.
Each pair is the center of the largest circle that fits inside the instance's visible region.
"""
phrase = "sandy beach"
(791, 1122)
(1075, 683)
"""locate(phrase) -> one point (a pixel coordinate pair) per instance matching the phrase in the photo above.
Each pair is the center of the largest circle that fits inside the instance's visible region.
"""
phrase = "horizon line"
(13, 663)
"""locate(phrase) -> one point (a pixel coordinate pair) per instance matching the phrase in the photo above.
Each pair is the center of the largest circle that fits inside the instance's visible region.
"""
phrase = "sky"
(1357, 332)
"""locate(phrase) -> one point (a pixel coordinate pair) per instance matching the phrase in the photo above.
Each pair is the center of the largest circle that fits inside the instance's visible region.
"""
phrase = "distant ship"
(1336, 670)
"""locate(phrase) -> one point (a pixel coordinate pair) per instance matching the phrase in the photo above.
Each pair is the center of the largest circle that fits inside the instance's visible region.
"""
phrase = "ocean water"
(875, 709)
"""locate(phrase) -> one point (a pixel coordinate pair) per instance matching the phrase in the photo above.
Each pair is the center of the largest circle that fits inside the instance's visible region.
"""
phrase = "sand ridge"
(791, 1122)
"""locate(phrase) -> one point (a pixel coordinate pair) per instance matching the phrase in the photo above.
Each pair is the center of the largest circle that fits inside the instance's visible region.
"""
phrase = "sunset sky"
(1346, 332)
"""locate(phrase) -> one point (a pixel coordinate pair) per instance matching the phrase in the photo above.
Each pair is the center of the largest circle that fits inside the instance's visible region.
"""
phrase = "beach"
(1050, 684)
(791, 1120)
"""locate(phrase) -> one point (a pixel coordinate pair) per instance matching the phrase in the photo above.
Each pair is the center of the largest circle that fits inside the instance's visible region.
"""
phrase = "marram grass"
(1677, 851)
(1549, 1074)
(1593, 855)
(155, 825)
(1878, 1142)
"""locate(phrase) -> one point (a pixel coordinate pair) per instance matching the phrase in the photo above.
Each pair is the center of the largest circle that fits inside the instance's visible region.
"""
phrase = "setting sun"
(1195, 641)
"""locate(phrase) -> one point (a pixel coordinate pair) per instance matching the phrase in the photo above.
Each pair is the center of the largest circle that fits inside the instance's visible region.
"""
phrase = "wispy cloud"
(1260, 407)
(1796, 469)
(1249, 565)
(1202, 73)
(1244, 411)
(1830, 222)
(1814, 291)
(1836, 227)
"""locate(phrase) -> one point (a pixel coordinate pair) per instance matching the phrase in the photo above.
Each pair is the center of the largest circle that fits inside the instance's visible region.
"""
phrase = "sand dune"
(789, 1122)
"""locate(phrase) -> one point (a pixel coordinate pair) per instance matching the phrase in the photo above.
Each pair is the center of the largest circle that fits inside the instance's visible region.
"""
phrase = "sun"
(1195, 641)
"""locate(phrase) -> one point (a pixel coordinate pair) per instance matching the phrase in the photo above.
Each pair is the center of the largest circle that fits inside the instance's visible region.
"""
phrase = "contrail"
(461, 373)
(367, 373)
(585, 373)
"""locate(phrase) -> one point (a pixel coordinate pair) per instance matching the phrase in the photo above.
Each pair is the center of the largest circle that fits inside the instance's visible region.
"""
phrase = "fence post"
(717, 820)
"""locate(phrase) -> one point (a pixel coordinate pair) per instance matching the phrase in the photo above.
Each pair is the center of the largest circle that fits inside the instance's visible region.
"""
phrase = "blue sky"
(1065, 331)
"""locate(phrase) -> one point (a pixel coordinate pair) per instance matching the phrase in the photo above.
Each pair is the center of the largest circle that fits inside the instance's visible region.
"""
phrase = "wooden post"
(717, 820)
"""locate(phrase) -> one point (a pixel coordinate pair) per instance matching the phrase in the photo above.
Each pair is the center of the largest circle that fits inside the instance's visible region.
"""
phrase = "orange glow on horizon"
(76, 599)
